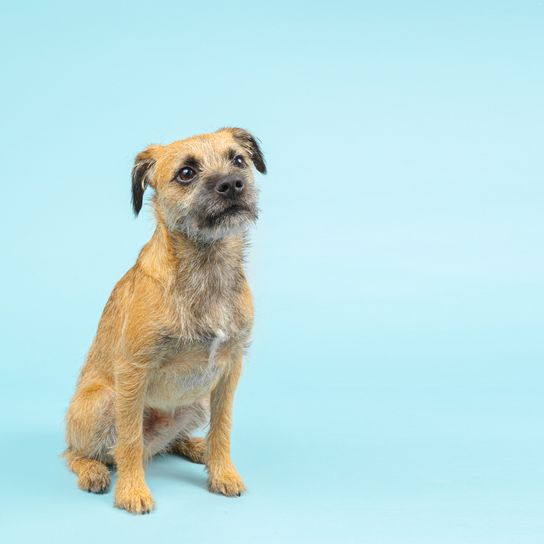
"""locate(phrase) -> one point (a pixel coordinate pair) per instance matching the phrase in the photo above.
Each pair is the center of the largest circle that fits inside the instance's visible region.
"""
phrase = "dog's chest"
(189, 374)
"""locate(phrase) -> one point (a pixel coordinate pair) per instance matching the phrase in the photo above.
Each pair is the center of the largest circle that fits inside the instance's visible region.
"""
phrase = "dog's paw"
(136, 499)
(227, 483)
(95, 481)
(193, 449)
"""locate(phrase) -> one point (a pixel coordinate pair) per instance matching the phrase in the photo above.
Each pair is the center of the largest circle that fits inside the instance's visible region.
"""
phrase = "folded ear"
(252, 145)
(141, 176)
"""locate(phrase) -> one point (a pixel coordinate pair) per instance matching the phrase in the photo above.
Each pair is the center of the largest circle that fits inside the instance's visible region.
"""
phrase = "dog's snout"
(229, 188)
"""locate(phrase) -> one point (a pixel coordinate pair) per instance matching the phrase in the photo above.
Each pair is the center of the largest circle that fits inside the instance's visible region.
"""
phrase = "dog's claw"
(134, 499)
(228, 483)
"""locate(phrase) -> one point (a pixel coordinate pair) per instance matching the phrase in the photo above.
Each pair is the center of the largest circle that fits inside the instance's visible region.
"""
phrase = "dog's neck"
(203, 283)
(190, 266)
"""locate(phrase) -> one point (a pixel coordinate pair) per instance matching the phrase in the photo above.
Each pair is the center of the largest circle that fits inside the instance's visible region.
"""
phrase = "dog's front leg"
(222, 476)
(131, 491)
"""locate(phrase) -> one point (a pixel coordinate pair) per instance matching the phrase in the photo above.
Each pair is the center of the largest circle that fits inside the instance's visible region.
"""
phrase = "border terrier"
(169, 346)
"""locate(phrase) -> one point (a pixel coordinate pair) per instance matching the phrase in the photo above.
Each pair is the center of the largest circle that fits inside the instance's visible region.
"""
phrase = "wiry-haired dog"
(168, 351)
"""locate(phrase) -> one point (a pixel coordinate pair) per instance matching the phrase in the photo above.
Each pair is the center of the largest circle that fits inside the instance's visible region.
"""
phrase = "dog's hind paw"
(193, 449)
(96, 482)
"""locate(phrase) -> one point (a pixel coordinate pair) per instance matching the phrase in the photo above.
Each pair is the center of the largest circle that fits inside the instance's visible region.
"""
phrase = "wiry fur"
(168, 351)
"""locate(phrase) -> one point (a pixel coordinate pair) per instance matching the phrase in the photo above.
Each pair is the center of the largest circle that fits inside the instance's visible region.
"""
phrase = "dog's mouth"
(232, 211)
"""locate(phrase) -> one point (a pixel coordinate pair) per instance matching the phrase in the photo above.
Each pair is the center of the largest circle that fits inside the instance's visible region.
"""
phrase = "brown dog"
(168, 350)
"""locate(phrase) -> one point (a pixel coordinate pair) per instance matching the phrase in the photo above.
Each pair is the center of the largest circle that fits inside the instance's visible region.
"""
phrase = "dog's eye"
(185, 175)
(239, 161)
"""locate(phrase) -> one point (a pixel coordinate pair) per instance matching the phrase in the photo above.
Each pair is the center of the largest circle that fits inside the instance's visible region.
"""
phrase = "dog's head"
(203, 185)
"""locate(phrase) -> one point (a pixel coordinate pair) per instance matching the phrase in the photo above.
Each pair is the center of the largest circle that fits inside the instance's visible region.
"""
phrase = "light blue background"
(393, 392)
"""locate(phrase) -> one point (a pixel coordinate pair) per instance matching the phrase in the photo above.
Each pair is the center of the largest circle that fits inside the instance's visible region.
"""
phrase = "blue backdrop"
(393, 391)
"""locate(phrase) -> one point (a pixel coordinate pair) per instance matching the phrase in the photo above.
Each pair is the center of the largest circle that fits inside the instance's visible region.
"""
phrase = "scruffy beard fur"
(169, 347)
(230, 225)
(205, 219)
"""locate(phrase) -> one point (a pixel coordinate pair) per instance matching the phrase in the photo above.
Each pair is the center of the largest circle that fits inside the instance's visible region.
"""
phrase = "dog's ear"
(252, 145)
(141, 177)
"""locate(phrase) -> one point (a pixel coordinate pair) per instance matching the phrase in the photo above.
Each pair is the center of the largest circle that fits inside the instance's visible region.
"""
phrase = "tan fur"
(191, 448)
(168, 351)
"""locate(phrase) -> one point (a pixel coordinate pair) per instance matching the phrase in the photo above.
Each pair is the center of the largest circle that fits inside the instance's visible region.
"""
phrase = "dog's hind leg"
(90, 435)
(191, 418)
(191, 448)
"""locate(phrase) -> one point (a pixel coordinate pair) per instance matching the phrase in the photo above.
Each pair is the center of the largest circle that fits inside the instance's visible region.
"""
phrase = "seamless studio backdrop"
(393, 390)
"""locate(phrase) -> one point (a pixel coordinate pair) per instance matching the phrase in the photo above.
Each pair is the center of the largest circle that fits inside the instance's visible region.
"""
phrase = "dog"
(168, 351)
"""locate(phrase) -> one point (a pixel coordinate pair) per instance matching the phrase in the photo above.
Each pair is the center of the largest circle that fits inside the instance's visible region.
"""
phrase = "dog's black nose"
(229, 188)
